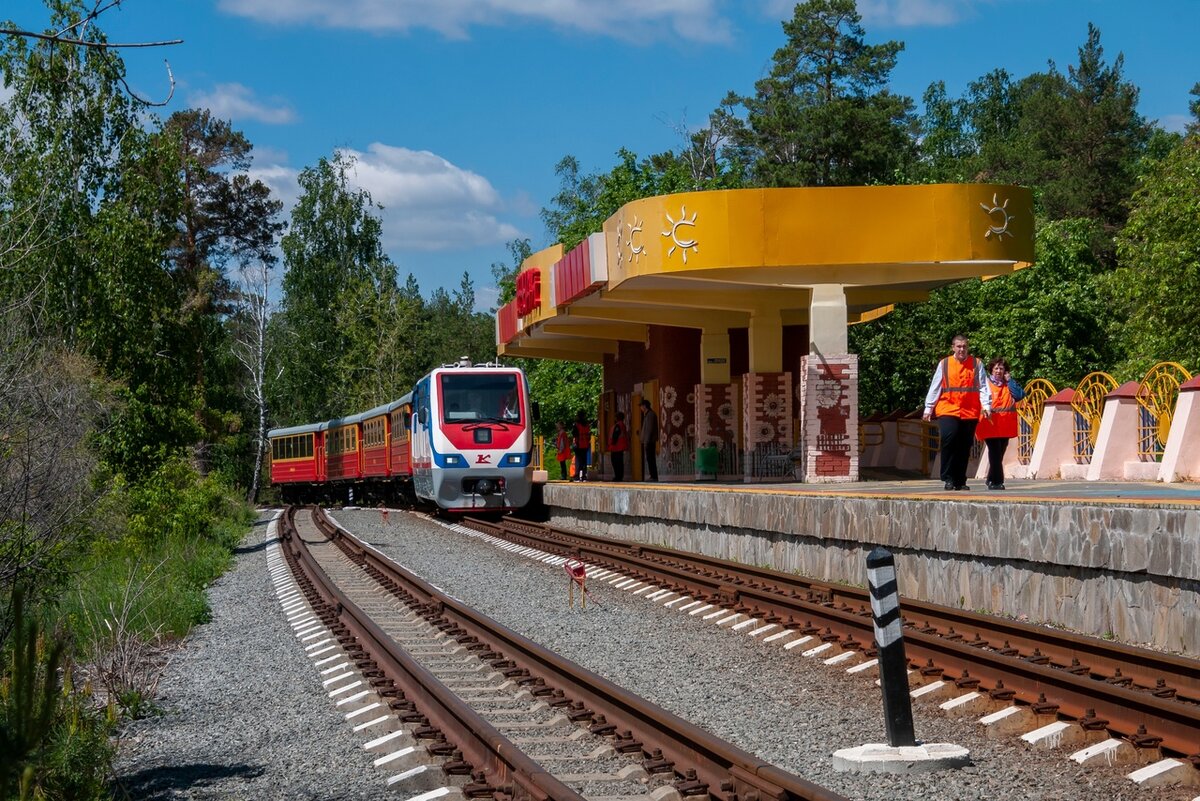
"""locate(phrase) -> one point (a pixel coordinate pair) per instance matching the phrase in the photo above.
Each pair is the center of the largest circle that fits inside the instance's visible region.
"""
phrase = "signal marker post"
(902, 754)
(889, 638)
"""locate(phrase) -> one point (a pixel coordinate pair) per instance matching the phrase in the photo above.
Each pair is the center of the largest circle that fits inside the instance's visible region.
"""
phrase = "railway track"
(1126, 704)
(474, 697)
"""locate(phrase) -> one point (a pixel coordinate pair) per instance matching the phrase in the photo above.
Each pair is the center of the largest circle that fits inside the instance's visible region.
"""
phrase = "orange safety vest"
(583, 436)
(1004, 416)
(620, 440)
(960, 393)
(562, 446)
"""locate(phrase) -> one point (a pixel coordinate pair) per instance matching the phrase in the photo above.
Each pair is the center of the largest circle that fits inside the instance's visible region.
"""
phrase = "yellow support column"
(766, 342)
(714, 357)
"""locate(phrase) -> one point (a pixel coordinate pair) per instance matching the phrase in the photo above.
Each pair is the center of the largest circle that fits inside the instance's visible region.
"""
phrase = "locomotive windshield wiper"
(480, 422)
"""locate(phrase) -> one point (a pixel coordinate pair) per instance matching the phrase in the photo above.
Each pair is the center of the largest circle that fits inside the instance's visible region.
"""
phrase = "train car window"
(308, 446)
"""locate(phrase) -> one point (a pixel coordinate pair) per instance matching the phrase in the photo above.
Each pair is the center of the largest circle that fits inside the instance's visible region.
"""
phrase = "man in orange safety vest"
(958, 396)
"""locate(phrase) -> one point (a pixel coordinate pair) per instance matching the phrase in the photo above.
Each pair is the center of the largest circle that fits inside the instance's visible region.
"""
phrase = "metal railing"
(1089, 410)
(1157, 394)
(922, 436)
(1029, 416)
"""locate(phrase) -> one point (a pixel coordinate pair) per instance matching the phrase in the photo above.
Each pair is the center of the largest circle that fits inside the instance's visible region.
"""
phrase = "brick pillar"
(767, 426)
(829, 418)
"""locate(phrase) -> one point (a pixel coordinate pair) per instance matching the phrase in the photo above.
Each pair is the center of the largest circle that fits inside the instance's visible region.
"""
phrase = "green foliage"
(1157, 282)
(174, 502)
(1049, 321)
(563, 389)
(28, 699)
(52, 743)
(824, 116)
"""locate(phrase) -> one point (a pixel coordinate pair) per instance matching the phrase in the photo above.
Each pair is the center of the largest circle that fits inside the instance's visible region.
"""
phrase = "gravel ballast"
(245, 716)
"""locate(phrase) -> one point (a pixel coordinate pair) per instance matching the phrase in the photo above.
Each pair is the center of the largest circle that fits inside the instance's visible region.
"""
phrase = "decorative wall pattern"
(717, 414)
(829, 388)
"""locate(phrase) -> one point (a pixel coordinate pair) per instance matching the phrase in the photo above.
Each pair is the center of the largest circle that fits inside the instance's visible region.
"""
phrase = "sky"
(457, 111)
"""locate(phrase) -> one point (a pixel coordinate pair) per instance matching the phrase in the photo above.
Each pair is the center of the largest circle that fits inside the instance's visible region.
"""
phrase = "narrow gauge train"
(462, 439)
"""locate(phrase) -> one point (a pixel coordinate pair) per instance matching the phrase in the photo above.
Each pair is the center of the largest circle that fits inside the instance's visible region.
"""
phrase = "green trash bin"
(706, 462)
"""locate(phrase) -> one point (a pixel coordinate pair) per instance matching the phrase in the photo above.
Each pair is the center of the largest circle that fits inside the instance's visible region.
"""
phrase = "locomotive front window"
(480, 396)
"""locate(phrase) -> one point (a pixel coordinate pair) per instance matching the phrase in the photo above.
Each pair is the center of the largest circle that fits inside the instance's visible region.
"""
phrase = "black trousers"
(651, 462)
(957, 436)
(996, 447)
(581, 465)
(562, 467)
(618, 462)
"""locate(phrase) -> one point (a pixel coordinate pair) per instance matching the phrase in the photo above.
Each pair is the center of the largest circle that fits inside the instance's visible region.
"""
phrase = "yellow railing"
(921, 435)
(1089, 409)
(1156, 398)
(870, 434)
(1029, 416)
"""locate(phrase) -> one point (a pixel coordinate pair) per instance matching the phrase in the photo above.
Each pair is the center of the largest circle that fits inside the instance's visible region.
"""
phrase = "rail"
(1081, 678)
(703, 764)
(507, 769)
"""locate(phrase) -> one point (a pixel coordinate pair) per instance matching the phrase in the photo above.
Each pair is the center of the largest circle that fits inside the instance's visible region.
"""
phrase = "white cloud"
(429, 203)
(912, 13)
(895, 13)
(1176, 123)
(635, 20)
(233, 101)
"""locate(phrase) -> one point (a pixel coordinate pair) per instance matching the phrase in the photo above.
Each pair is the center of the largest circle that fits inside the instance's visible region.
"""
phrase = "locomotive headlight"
(513, 460)
(454, 460)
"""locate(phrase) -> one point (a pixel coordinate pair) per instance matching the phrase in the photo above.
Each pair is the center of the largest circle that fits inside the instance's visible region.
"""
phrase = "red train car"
(343, 450)
(400, 448)
(298, 459)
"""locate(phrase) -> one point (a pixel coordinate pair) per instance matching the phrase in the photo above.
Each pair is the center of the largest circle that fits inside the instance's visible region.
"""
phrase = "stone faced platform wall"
(1132, 573)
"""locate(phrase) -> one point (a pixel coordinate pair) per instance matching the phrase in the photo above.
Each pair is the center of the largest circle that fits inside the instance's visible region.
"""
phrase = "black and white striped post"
(889, 637)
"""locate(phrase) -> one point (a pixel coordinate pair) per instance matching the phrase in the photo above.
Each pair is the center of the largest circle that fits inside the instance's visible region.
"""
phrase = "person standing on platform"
(649, 437)
(618, 443)
(581, 435)
(958, 396)
(998, 429)
(562, 447)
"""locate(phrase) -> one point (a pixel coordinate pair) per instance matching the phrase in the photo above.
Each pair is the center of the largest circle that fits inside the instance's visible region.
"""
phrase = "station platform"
(1109, 559)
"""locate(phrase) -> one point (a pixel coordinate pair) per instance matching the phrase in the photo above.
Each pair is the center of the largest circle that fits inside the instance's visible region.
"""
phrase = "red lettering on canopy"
(529, 291)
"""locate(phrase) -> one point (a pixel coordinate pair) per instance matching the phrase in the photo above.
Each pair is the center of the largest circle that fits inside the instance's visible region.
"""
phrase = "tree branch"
(53, 37)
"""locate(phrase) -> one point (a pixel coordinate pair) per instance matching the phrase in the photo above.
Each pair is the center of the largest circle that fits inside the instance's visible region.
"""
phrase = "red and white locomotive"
(462, 439)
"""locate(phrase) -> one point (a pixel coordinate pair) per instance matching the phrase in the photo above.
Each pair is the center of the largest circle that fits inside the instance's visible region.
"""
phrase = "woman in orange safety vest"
(998, 429)
(562, 447)
(582, 445)
(617, 445)
(958, 396)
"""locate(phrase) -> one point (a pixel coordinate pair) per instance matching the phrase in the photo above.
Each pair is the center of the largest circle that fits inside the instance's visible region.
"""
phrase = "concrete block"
(1163, 772)
(1054, 735)
(1107, 752)
(965, 705)
(879, 758)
